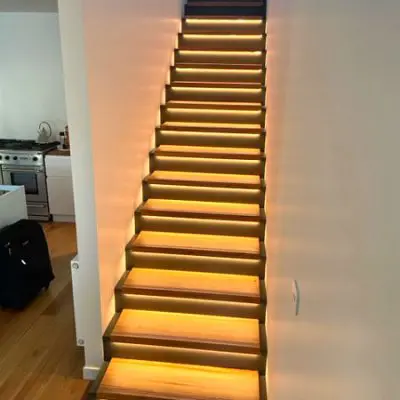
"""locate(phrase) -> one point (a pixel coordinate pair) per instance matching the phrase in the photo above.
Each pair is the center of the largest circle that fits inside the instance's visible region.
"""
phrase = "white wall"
(116, 59)
(333, 199)
(31, 76)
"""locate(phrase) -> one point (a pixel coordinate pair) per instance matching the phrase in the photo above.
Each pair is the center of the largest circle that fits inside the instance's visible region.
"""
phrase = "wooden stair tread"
(218, 65)
(232, 180)
(133, 379)
(216, 85)
(164, 241)
(203, 207)
(209, 152)
(193, 284)
(223, 18)
(214, 104)
(214, 125)
(195, 331)
(209, 129)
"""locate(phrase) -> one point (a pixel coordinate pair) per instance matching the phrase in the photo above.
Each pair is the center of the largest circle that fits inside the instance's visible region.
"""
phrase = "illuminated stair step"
(229, 25)
(196, 244)
(190, 331)
(252, 42)
(195, 285)
(209, 180)
(207, 127)
(134, 379)
(220, 57)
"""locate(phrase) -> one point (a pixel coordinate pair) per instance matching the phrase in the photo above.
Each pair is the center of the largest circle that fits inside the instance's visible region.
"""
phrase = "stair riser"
(191, 42)
(207, 165)
(205, 116)
(217, 75)
(246, 27)
(254, 267)
(192, 306)
(257, 57)
(181, 356)
(232, 10)
(200, 226)
(223, 95)
(202, 193)
(253, 141)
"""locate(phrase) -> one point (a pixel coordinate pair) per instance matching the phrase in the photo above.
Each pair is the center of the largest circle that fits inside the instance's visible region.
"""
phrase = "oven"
(33, 178)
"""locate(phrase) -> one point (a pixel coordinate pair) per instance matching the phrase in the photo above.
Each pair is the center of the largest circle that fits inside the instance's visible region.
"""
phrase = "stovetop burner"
(25, 145)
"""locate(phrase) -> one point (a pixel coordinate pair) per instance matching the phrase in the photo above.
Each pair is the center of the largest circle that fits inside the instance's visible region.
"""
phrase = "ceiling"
(28, 6)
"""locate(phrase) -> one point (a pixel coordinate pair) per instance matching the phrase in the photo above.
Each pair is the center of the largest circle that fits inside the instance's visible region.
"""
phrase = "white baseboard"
(64, 218)
(90, 373)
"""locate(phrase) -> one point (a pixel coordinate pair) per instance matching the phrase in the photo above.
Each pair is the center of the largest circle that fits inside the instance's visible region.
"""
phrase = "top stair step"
(225, 8)
(227, 25)
(165, 381)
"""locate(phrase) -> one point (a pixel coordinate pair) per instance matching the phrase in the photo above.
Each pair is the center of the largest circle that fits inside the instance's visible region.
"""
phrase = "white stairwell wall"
(116, 56)
(333, 199)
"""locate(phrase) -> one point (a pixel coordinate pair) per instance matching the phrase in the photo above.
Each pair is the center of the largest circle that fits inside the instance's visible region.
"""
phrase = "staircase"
(190, 318)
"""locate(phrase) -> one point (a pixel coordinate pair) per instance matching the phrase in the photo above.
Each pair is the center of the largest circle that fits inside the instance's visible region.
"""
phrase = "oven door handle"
(17, 169)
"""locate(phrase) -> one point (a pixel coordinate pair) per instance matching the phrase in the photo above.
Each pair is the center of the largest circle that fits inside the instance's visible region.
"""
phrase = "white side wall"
(333, 199)
(31, 76)
(116, 59)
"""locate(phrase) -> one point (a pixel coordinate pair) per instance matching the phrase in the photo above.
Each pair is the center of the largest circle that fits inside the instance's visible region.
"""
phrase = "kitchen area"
(34, 137)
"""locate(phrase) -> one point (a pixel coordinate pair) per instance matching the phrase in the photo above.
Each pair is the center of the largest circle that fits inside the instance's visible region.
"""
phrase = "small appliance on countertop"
(22, 164)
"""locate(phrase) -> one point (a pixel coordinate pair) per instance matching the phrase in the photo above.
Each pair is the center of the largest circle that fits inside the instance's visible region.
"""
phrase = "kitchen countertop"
(57, 152)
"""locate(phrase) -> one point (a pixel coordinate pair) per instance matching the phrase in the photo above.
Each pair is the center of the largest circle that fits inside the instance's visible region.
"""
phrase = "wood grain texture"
(166, 381)
(190, 331)
(193, 285)
(188, 243)
(39, 358)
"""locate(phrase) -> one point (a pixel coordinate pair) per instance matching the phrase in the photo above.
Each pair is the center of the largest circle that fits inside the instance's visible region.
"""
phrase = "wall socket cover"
(296, 296)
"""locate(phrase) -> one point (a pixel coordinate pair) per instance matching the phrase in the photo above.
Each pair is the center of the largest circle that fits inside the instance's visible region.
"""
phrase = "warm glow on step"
(215, 103)
(212, 89)
(213, 124)
(206, 177)
(222, 52)
(188, 330)
(177, 381)
(195, 282)
(191, 241)
(212, 111)
(210, 150)
(219, 70)
(224, 190)
(200, 221)
(209, 134)
(199, 160)
(201, 21)
(221, 36)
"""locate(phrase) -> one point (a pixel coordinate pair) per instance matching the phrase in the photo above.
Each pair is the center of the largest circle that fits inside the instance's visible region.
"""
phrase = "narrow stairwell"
(190, 318)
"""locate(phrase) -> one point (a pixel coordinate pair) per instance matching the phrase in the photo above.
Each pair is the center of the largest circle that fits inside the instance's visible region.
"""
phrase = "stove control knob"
(35, 159)
(15, 158)
(7, 157)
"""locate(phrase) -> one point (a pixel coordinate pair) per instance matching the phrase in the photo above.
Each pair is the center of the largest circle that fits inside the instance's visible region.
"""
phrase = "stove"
(22, 164)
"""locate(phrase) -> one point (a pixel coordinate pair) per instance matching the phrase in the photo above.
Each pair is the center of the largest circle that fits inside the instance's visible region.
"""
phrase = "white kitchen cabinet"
(59, 187)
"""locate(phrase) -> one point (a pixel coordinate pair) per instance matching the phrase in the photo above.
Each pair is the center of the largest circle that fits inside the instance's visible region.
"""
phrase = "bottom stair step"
(132, 379)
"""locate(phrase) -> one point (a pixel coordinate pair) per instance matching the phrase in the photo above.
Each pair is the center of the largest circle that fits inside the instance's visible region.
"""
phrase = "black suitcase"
(25, 266)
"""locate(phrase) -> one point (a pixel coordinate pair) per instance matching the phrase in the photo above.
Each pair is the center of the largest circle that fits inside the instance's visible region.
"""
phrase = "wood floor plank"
(39, 357)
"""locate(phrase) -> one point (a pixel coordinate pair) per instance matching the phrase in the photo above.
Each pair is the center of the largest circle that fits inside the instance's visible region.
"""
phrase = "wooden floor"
(38, 356)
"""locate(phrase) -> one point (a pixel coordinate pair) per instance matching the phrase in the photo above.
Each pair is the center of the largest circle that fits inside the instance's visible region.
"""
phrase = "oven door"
(34, 181)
